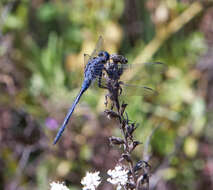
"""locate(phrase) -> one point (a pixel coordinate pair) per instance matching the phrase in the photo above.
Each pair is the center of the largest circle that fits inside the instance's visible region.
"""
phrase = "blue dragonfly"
(93, 70)
(94, 67)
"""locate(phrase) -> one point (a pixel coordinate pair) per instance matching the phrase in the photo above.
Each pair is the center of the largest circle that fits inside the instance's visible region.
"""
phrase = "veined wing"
(131, 89)
(149, 74)
(138, 90)
(150, 67)
(97, 49)
(146, 83)
(87, 57)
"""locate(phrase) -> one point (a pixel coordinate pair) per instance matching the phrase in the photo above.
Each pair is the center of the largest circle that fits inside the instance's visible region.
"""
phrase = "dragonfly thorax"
(105, 55)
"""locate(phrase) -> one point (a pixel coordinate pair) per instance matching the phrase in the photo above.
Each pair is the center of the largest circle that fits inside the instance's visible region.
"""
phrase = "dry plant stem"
(128, 152)
(138, 173)
(146, 155)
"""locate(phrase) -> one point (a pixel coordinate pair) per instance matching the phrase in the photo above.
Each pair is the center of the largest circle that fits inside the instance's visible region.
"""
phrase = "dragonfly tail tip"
(55, 141)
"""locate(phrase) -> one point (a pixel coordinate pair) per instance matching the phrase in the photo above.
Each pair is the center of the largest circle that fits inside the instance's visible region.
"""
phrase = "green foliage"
(47, 12)
(46, 65)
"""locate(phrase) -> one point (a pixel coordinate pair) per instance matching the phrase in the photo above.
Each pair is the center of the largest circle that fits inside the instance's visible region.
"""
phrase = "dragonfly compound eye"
(101, 54)
(104, 54)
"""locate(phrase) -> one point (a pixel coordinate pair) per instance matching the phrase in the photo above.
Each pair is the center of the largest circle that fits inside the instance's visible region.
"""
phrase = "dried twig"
(146, 155)
(138, 175)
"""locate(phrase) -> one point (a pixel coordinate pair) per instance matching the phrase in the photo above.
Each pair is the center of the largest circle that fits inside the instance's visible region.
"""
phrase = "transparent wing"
(138, 90)
(149, 74)
(98, 47)
(130, 89)
(145, 83)
(87, 57)
(148, 71)
(150, 67)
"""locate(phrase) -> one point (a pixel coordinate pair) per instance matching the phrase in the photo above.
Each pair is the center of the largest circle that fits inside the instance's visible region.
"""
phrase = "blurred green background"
(42, 43)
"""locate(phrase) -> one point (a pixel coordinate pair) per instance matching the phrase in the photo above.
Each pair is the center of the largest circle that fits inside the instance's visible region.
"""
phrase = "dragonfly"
(94, 68)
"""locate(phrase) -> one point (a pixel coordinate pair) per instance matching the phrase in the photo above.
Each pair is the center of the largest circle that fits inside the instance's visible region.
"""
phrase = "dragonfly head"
(104, 54)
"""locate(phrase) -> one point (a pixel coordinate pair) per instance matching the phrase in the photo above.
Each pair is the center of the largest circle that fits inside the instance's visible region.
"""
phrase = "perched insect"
(93, 69)
(114, 80)
(113, 65)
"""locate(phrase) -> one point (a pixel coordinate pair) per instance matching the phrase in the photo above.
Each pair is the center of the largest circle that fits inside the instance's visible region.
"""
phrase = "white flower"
(58, 186)
(91, 181)
(118, 176)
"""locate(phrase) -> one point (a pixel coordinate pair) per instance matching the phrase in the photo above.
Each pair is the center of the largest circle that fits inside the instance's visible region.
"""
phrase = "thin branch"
(146, 155)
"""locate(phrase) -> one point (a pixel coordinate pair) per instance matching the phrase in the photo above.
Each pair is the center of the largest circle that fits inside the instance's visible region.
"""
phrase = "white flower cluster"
(58, 186)
(91, 181)
(118, 176)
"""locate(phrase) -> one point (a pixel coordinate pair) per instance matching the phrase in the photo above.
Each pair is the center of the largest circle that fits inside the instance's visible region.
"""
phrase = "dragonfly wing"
(131, 89)
(149, 74)
(87, 57)
(98, 47)
(150, 67)
(155, 67)
(138, 90)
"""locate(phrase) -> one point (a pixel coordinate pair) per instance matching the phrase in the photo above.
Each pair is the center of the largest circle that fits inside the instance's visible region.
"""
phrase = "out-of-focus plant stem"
(4, 14)
(162, 34)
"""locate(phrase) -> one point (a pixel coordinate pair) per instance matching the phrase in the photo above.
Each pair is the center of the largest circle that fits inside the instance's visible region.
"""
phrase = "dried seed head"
(141, 164)
(127, 157)
(131, 128)
(123, 107)
(116, 140)
(145, 178)
(130, 186)
(138, 165)
(111, 114)
(134, 144)
(119, 58)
